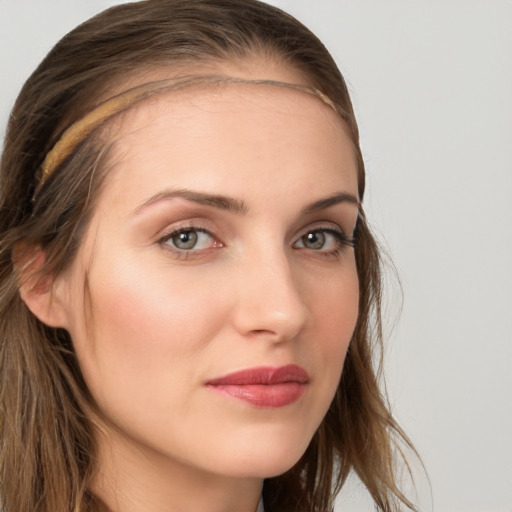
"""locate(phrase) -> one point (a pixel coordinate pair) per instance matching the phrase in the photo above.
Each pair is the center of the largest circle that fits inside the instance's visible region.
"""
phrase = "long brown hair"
(47, 453)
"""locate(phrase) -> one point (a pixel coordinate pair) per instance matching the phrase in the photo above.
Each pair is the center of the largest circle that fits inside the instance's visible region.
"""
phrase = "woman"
(189, 290)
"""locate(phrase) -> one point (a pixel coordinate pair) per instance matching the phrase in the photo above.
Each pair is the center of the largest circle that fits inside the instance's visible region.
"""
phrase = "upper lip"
(266, 375)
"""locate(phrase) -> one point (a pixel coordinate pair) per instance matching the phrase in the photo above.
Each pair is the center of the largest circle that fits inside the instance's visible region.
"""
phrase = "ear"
(37, 289)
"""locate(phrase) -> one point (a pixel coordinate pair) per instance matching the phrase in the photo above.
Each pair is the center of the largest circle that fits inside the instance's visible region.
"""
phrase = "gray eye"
(322, 240)
(185, 240)
(314, 240)
(190, 239)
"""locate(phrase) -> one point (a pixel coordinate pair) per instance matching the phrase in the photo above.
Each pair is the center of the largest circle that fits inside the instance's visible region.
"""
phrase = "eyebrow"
(239, 206)
(217, 201)
(323, 204)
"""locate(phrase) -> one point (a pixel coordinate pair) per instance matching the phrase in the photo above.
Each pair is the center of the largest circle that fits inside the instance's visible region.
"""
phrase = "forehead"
(244, 107)
(210, 135)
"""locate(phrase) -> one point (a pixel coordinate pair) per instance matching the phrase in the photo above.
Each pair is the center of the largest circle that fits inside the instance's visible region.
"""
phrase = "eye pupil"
(315, 240)
(185, 240)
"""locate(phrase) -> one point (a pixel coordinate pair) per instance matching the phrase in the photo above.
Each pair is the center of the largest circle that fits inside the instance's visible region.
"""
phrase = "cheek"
(334, 306)
(335, 310)
(338, 310)
(154, 304)
(146, 328)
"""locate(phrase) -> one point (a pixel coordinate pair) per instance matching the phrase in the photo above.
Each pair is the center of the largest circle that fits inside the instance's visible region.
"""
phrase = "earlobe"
(37, 289)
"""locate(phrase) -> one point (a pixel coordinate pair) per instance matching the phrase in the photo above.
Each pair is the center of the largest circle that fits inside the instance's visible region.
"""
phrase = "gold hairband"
(79, 130)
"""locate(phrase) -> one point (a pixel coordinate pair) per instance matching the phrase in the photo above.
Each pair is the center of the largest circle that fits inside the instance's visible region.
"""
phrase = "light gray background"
(432, 85)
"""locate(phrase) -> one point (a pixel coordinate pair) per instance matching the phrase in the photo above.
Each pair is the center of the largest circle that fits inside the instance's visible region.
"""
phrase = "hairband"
(79, 130)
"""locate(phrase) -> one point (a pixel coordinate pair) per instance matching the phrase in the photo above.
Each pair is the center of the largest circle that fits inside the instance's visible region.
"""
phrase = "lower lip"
(263, 395)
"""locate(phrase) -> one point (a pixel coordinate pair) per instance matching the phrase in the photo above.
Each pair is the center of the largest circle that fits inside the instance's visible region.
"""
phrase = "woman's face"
(215, 293)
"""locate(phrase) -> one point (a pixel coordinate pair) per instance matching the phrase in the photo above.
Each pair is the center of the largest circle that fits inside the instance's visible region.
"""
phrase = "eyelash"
(342, 241)
(183, 253)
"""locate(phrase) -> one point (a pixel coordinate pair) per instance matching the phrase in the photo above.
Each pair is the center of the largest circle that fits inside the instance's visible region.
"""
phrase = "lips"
(263, 386)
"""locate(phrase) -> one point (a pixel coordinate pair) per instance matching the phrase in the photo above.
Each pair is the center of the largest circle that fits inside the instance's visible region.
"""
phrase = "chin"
(265, 461)
(264, 449)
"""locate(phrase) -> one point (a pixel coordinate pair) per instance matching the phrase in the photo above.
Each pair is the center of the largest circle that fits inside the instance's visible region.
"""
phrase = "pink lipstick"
(264, 386)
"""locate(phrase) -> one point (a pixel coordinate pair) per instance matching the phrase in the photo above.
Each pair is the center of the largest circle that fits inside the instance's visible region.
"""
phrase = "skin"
(152, 323)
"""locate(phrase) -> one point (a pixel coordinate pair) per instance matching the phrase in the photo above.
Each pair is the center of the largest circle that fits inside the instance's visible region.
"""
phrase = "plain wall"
(431, 81)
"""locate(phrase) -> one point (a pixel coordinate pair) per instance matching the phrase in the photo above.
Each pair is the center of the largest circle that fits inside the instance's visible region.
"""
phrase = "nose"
(270, 302)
